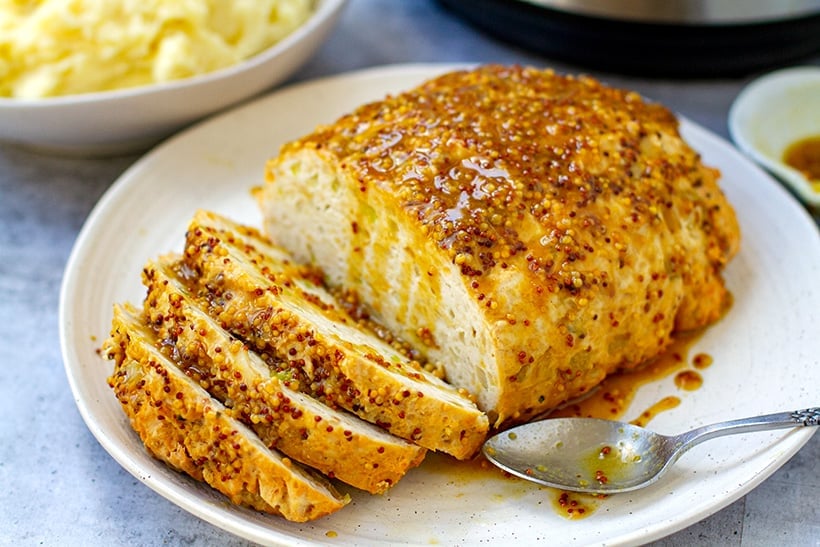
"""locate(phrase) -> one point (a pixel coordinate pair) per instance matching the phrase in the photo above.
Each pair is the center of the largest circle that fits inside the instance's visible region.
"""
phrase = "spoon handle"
(809, 417)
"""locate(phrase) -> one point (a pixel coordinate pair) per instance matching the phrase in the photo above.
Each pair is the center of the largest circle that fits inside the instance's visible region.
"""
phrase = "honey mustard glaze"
(615, 394)
(541, 193)
(575, 506)
(689, 380)
(609, 401)
(804, 155)
(609, 462)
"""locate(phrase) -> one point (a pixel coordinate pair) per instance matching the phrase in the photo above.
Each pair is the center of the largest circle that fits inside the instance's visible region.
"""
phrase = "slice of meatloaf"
(181, 424)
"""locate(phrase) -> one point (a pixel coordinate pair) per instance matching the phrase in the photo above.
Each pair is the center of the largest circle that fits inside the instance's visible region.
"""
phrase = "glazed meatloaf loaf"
(529, 231)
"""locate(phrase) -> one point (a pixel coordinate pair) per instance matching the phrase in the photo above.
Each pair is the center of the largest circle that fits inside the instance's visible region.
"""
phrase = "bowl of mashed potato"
(103, 76)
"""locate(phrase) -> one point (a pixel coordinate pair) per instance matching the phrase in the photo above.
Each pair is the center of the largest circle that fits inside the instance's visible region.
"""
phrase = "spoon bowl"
(607, 457)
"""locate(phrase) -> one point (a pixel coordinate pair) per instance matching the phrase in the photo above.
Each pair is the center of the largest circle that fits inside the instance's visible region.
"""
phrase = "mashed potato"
(63, 47)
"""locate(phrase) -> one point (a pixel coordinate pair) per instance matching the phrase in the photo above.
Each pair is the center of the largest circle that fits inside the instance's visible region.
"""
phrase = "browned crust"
(338, 445)
(471, 153)
(253, 295)
(183, 426)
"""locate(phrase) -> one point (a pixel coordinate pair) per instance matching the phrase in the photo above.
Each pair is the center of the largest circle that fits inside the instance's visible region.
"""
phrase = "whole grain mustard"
(65, 47)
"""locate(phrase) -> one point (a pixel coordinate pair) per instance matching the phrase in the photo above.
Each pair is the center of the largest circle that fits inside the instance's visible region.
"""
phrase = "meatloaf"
(181, 424)
(257, 293)
(336, 443)
(529, 231)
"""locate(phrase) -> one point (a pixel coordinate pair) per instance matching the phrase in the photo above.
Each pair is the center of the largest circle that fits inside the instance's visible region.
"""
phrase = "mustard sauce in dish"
(804, 155)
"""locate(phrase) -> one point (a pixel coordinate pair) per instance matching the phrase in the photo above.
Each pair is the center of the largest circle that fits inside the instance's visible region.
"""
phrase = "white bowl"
(774, 112)
(134, 118)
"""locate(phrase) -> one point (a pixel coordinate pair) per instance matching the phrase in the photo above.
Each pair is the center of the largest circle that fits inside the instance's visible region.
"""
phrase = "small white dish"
(94, 124)
(774, 112)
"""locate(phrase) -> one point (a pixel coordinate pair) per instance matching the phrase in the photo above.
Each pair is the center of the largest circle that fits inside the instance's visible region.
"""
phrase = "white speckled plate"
(766, 351)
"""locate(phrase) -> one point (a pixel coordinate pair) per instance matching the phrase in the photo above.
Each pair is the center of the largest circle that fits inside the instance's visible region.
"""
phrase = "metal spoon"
(606, 457)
